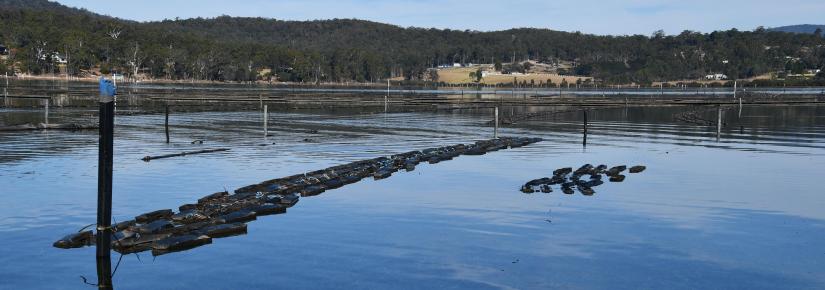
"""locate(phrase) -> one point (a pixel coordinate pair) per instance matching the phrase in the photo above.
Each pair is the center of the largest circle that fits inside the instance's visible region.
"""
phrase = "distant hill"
(337, 50)
(801, 28)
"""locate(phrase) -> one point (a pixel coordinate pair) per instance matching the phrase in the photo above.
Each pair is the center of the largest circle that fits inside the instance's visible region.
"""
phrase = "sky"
(615, 17)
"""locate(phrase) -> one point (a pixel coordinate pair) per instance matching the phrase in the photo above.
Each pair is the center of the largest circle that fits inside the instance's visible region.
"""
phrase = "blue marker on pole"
(107, 90)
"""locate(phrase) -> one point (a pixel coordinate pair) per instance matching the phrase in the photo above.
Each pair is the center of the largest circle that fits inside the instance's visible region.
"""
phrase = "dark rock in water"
(179, 243)
(333, 183)
(269, 209)
(527, 189)
(189, 216)
(475, 151)
(213, 196)
(593, 183)
(595, 177)
(557, 180)
(138, 243)
(616, 170)
(637, 169)
(132, 249)
(224, 230)
(236, 217)
(434, 160)
(600, 169)
(153, 216)
(289, 199)
(617, 178)
(409, 165)
(76, 240)
(242, 196)
(120, 236)
(154, 227)
(567, 184)
(187, 207)
(575, 177)
(546, 188)
(350, 179)
(123, 225)
(236, 206)
(184, 228)
(382, 173)
(586, 190)
(562, 171)
(539, 181)
(272, 198)
(585, 169)
(312, 190)
(567, 190)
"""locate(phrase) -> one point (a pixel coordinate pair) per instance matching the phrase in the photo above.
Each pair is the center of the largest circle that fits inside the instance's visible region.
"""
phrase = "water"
(741, 212)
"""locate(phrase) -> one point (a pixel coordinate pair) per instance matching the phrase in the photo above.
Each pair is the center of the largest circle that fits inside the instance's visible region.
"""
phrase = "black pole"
(584, 137)
(104, 193)
(166, 124)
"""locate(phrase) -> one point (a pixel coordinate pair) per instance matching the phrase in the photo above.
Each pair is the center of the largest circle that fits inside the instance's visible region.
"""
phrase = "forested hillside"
(802, 28)
(237, 49)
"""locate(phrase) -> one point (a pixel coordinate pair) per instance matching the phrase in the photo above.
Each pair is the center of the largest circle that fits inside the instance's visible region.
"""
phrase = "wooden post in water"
(740, 107)
(166, 124)
(386, 97)
(104, 185)
(495, 129)
(734, 89)
(266, 120)
(584, 136)
(46, 117)
(718, 122)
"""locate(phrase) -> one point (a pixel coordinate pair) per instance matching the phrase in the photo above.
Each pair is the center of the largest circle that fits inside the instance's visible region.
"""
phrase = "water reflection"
(733, 214)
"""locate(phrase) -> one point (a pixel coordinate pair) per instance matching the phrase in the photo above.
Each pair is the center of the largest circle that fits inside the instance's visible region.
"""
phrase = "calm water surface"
(741, 212)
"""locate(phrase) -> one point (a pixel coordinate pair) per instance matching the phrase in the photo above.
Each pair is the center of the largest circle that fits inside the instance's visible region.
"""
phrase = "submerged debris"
(583, 179)
(76, 240)
(43, 126)
(222, 214)
(150, 158)
(696, 117)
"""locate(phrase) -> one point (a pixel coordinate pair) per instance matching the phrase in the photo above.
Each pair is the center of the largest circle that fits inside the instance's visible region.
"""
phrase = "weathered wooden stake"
(166, 124)
(734, 89)
(740, 107)
(718, 122)
(266, 119)
(495, 130)
(46, 117)
(584, 136)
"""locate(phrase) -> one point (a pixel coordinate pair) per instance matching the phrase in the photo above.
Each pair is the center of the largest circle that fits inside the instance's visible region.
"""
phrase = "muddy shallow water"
(742, 211)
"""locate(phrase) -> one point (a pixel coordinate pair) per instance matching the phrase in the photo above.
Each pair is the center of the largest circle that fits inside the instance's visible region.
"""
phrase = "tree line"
(41, 34)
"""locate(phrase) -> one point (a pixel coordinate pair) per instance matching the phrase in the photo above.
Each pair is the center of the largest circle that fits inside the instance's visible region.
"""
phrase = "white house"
(716, 77)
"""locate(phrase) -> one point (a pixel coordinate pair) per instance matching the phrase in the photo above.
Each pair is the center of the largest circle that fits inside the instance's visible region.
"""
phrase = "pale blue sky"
(591, 16)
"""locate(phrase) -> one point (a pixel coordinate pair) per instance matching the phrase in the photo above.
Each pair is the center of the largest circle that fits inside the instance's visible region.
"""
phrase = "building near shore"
(4, 52)
(716, 77)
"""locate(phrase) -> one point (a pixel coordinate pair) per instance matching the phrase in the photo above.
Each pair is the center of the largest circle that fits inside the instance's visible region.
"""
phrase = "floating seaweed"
(222, 214)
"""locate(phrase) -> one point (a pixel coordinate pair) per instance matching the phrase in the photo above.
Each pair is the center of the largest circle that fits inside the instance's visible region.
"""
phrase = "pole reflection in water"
(104, 270)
